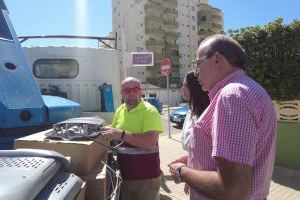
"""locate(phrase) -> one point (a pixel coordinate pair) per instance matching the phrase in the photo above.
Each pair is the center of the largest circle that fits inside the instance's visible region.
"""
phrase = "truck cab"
(23, 110)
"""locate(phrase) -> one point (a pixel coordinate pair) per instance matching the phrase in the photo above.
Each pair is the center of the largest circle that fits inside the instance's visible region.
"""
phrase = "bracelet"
(123, 135)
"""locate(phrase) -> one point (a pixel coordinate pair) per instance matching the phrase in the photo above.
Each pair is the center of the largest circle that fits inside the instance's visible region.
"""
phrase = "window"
(4, 30)
(139, 49)
(55, 68)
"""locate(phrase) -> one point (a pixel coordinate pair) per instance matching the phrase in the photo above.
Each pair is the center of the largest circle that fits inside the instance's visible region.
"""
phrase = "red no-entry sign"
(165, 67)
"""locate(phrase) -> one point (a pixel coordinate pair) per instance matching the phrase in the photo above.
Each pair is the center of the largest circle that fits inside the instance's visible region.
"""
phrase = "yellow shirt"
(143, 118)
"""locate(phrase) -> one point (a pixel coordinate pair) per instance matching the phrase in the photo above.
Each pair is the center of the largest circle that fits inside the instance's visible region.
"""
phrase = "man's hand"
(109, 133)
(182, 159)
(173, 167)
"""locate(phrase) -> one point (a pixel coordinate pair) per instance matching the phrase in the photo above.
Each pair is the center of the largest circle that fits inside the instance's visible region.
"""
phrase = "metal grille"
(21, 162)
(82, 128)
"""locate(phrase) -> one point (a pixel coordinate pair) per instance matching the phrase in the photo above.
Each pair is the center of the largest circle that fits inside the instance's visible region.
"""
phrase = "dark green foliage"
(274, 56)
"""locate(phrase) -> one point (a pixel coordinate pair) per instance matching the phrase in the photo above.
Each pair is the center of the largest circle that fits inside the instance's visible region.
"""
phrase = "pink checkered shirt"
(239, 125)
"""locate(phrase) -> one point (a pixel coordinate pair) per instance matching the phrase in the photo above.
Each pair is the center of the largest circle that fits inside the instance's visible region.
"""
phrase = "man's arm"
(231, 181)
(147, 140)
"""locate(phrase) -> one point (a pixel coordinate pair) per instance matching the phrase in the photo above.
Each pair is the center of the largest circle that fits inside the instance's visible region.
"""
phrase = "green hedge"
(274, 56)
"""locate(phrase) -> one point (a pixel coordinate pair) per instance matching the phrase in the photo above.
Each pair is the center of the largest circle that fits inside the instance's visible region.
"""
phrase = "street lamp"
(123, 39)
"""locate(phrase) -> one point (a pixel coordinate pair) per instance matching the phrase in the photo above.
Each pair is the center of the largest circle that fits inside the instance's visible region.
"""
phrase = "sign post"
(165, 69)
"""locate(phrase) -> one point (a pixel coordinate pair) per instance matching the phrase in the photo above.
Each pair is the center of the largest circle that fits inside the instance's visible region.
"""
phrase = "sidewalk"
(285, 183)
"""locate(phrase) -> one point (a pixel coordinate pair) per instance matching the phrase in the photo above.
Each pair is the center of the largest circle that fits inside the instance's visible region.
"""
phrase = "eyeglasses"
(135, 90)
(199, 61)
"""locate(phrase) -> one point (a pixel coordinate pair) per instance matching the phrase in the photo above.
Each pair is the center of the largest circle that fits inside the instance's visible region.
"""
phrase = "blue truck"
(23, 110)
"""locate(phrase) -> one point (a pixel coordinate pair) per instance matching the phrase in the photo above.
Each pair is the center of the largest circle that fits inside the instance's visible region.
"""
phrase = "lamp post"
(123, 40)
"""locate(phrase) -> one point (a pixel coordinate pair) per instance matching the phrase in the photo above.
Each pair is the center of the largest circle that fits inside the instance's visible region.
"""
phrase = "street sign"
(165, 67)
(142, 59)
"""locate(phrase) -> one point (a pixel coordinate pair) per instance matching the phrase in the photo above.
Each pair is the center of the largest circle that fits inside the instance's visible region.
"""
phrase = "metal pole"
(168, 90)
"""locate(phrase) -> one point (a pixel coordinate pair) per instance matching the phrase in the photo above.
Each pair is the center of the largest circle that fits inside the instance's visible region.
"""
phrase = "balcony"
(217, 28)
(171, 11)
(170, 3)
(206, 32)
(154, 31)
(153, 19)
(171, 24)
(170, 40)
(204, 24)
(156, 1)
(151, 8)
(172, 46)
(216, 18)
(158, 57)
(171, 35)
(175, 60)
(154, 44)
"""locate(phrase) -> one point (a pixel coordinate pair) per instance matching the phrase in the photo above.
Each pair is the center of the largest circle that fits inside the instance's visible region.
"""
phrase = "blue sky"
(49, 17)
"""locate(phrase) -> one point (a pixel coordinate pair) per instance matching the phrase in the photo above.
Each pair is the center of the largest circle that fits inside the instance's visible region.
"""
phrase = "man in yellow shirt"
(138, 124)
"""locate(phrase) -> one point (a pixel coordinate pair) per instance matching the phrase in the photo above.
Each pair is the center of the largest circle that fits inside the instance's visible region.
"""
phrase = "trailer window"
(55, 68)
(4, 30)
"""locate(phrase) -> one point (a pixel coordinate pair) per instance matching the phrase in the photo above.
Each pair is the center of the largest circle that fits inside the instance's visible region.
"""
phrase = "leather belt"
(130, 150)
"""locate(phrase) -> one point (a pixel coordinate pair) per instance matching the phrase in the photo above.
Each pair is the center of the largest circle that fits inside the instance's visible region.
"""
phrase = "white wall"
(96, 66)
(175, 97)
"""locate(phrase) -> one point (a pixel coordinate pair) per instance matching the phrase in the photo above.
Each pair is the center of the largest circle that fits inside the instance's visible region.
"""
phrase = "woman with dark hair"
(198, 101)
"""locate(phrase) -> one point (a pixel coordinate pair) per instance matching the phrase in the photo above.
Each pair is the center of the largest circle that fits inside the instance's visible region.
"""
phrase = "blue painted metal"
(155, 102)
(60, 109)
(2, 5)
(21, 103)
(23, 110)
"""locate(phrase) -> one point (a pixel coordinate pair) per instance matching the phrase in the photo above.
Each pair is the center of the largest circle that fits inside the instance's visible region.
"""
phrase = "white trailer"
(77, 72)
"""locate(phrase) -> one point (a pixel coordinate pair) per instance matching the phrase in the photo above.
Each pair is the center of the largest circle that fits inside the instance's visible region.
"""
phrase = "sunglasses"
(135, 90)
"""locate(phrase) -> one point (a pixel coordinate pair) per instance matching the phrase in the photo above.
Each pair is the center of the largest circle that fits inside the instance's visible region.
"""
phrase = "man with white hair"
(232, 146)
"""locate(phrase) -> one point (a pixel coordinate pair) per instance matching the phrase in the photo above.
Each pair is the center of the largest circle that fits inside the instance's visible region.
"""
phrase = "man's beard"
(132, 101)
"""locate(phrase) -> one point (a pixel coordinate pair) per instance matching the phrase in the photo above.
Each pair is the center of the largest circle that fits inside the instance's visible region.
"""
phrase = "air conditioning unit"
(36, 174)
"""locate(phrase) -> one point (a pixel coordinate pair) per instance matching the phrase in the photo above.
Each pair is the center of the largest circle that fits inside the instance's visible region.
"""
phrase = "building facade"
(168, 28)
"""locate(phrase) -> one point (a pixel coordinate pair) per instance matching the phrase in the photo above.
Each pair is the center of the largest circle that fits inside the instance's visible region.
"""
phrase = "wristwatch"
(123, 135)
(178, 178)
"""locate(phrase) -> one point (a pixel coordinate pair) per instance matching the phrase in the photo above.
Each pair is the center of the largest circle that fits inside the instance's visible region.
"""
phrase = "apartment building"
(168, 28)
